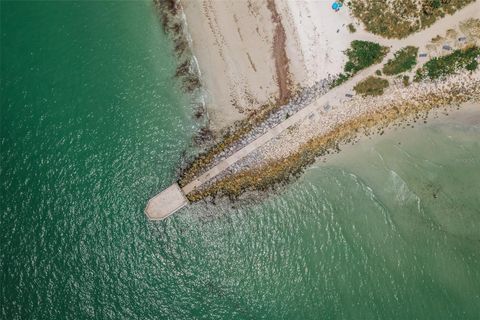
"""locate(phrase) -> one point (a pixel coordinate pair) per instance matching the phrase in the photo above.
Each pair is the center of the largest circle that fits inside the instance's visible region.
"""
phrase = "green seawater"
(93, 124)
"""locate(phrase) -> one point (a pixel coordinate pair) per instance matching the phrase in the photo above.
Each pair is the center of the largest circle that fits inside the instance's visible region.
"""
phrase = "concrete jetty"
(173, 198)
(166, 203)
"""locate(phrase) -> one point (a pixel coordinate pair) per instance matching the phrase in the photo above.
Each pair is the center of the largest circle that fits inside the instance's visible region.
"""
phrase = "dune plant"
(405, 59)
(399, 18)
(439, 67)
(361, 55)
(371, 86)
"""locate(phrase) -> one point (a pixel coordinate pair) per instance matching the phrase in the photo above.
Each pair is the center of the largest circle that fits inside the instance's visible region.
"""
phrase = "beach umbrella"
(337, 5)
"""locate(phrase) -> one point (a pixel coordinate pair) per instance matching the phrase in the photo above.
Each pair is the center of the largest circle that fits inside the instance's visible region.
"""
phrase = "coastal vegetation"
(405, 59)
(439, 67)
(399, 18)
(371, 86)
(351, 28)
(361, 55)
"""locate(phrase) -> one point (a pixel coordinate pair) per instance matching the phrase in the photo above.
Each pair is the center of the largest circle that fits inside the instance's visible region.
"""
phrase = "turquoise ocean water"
(93, 124)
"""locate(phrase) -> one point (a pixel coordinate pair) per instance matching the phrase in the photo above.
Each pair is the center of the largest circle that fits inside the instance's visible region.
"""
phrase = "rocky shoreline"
(172, 19)
(256, 126)
(280, 162)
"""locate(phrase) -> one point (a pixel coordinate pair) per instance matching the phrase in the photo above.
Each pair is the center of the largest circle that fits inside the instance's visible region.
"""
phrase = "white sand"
(314, 46)
(232, 41)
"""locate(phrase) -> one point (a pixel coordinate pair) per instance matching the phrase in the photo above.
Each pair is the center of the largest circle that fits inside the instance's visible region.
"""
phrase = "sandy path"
(419, 39)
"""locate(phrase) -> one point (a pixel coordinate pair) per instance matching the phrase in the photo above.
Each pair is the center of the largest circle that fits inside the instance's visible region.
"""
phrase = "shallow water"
(92, 125)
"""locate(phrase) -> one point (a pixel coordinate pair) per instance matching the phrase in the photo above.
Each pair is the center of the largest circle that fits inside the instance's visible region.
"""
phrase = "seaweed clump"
(169, 13)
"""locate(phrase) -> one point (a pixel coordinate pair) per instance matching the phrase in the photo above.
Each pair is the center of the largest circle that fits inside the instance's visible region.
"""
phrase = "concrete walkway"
(166, 203)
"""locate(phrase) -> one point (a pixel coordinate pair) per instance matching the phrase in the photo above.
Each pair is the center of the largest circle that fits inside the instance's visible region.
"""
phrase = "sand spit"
(398, 97)
(282, 158)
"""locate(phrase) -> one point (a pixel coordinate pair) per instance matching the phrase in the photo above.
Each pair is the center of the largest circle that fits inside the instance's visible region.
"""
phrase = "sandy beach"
(252, 53)
(232, 41)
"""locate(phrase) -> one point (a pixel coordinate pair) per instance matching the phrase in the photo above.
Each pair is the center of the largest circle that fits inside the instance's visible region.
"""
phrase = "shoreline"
(467, 114)
(254, 54)
(460, 116)
(233, 51)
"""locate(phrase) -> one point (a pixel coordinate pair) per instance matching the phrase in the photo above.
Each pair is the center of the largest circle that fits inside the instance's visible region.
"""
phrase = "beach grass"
(400, 18)
(371, 86)
(440, 67)
(405, 59)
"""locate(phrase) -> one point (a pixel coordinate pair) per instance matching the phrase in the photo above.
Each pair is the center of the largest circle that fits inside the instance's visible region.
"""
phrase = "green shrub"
(472, 65)
(351, 28)
(340, 79)
(449, 64)
(371, 86)
(363, 54)
(404, 60)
